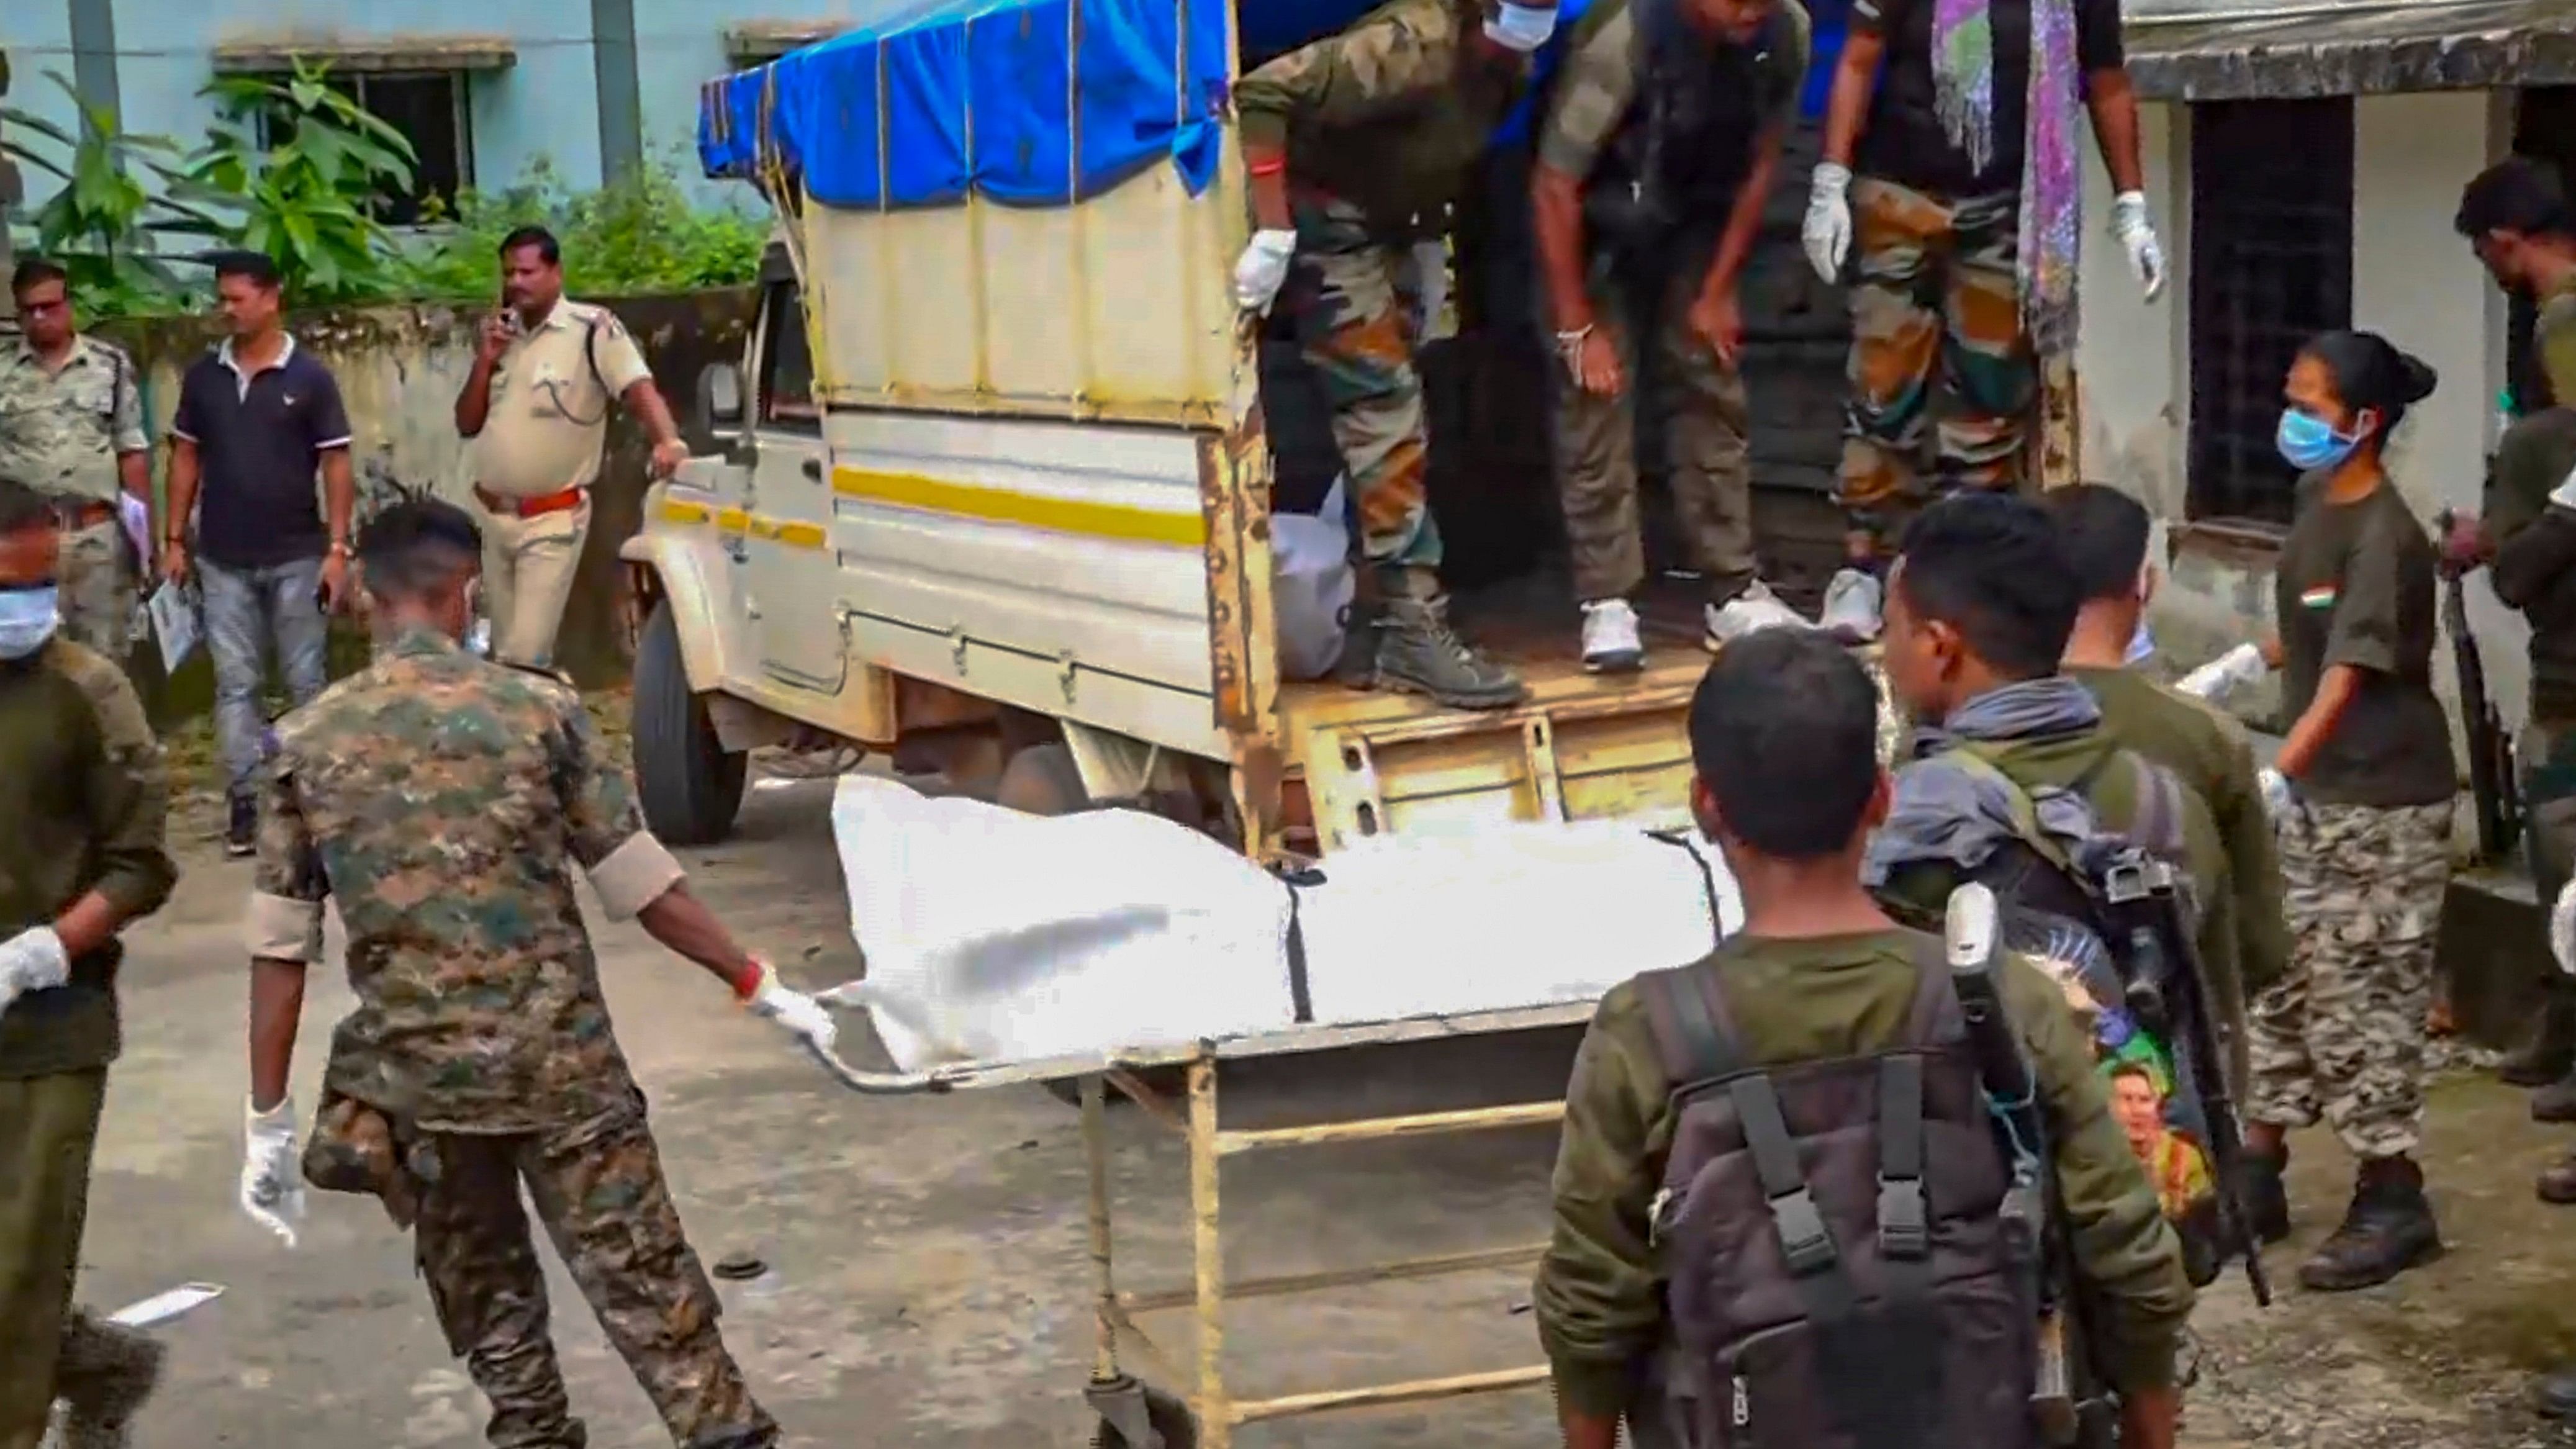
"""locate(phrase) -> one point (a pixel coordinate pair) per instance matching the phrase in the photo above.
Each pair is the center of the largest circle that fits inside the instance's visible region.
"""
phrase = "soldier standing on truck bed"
(1950, 169)
(1356, 145)
(1659, 149)
(442, 800)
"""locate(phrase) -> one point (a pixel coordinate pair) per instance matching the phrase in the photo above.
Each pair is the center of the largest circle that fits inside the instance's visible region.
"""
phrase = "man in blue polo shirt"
(258, 418)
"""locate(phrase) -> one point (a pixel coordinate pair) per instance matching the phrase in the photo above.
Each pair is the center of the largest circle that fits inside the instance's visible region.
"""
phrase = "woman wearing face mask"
(2363, 797)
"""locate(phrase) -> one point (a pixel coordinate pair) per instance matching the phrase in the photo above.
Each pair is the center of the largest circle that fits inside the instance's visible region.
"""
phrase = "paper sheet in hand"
(995, 937)
(174, 622)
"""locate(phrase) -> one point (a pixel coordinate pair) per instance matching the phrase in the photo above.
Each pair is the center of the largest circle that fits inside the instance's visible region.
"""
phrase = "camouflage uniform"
(2342, 1036)
(2554, 334)
(1384, 125)
(1933, 295)
(440, 800)
(61, 432)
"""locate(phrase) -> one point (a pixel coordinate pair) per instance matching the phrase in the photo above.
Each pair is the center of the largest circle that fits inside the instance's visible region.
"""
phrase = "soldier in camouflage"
(71, 425)
(1355, 146)
(442, 801)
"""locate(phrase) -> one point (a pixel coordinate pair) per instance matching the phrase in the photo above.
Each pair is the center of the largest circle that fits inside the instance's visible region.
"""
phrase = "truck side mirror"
(720, 399)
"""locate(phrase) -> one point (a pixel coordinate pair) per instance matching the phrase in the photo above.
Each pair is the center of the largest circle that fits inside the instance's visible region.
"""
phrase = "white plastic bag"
(1311, 586)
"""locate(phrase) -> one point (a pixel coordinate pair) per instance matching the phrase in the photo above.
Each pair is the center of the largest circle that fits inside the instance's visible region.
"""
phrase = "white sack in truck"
(1312, 585)
(992, 936)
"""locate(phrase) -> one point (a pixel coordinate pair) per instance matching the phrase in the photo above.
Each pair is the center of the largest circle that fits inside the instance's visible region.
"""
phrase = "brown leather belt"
(83, 512)
(537, 507)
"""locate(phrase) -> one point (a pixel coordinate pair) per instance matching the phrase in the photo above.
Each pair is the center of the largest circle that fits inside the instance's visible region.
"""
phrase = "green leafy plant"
(295, 166)
(637, 234)
(103, 217)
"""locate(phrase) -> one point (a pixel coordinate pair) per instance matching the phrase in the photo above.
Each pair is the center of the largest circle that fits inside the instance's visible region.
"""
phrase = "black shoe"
(241, 834)
(105, 1374)
(2388, 1229)
(2555, 1102)
(2551, 1052)
(2264, 1197)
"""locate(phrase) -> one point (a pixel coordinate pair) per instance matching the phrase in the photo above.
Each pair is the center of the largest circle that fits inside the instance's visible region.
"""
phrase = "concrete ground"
(926, 1268)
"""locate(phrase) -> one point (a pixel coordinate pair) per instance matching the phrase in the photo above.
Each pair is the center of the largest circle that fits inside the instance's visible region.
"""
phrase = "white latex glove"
(32, 961)
(2564, 495)
(1430, 260)
(1262, 268)
(272, 1182)
(2281, 800)
(2137, 236)
(802, 1015)
(2562, 928)
(1828, 230)
(2238, 666)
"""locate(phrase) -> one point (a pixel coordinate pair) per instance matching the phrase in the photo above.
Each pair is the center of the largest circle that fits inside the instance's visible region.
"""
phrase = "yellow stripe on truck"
(1119, 521)
(674, 511)
(794, 535)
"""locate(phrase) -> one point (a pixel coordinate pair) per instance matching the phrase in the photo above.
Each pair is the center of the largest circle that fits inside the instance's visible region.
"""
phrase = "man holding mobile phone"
(546, 371)
(259, 418)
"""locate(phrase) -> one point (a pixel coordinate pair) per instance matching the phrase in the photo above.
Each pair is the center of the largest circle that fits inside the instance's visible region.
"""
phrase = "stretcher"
(1136, 1415)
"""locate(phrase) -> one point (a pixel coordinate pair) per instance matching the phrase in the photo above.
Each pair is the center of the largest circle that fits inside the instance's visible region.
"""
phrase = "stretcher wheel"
(1170, 1422)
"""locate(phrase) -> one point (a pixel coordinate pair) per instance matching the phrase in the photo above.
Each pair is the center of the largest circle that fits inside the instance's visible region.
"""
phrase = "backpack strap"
(1976, 759)
(1694, 1032)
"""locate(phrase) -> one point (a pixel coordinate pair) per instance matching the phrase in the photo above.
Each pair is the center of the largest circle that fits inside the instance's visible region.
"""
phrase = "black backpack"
(1839, 1270)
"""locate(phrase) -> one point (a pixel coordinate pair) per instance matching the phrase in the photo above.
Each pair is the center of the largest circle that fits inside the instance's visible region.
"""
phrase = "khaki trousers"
(528, 569)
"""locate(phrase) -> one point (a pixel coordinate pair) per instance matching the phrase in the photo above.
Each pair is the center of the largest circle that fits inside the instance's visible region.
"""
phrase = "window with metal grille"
(429, 108)
(2544, 127)
(2271, 266)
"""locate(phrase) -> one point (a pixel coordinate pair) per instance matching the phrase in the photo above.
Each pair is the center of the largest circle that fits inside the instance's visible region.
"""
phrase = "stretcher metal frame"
(1125, 1405)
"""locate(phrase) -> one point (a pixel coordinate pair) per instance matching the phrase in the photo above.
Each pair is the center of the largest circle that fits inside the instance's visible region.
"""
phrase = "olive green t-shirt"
(2356, 588)
(1599, 1295)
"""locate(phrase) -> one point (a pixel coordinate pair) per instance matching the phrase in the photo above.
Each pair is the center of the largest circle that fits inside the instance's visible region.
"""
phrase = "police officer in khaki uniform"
(536, 407)
(71, 426)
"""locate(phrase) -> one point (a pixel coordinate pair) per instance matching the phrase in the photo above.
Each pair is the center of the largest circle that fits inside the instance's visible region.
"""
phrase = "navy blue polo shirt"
(260, 439)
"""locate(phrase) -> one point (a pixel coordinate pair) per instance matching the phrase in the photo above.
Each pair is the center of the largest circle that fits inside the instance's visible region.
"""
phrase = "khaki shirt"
(551, 394)
(61, 429)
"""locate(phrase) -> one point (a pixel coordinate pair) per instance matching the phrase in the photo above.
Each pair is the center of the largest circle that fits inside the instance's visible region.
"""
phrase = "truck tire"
(689, 787)
(1042, 780)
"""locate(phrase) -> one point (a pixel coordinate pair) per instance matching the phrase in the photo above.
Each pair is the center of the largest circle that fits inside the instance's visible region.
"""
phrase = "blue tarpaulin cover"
(1027, 102)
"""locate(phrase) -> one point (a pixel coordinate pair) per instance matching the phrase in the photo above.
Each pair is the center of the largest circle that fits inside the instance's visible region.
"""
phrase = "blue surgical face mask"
(28, 618)
(2310, 443)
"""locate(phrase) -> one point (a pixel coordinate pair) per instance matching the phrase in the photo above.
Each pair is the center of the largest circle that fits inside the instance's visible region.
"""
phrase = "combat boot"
(2265, 1197)
(105, 1374)
(2555, 1102)
(1419, 652)
(2388, 1229)
(1362, 623)
(2551, 1052)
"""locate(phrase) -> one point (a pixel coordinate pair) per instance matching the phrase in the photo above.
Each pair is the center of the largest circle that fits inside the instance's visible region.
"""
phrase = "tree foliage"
(294, 167)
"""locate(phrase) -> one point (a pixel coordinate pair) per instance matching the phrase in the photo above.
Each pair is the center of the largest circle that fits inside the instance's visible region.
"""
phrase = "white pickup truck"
(997, 492)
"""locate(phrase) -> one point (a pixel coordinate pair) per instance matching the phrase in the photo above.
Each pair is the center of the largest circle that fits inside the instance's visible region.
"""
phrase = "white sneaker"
(1852, 604)
(1610, 642)
(1756, 608)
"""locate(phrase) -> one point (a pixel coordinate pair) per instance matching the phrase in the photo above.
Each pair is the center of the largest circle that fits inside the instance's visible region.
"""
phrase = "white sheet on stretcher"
(993, 936)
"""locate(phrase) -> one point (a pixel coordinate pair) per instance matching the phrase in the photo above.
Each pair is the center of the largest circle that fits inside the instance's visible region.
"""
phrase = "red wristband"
(1269, 167)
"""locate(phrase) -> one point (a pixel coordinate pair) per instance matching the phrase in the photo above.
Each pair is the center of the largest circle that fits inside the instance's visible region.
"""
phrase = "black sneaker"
(2388, 1229)
(241, 833)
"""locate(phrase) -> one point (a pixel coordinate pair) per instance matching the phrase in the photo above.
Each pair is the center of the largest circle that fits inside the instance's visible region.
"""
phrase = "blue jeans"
(249, 613)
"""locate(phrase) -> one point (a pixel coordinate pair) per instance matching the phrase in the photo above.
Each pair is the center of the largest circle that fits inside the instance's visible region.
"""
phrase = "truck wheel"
(1042, 780)
(689, 787)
